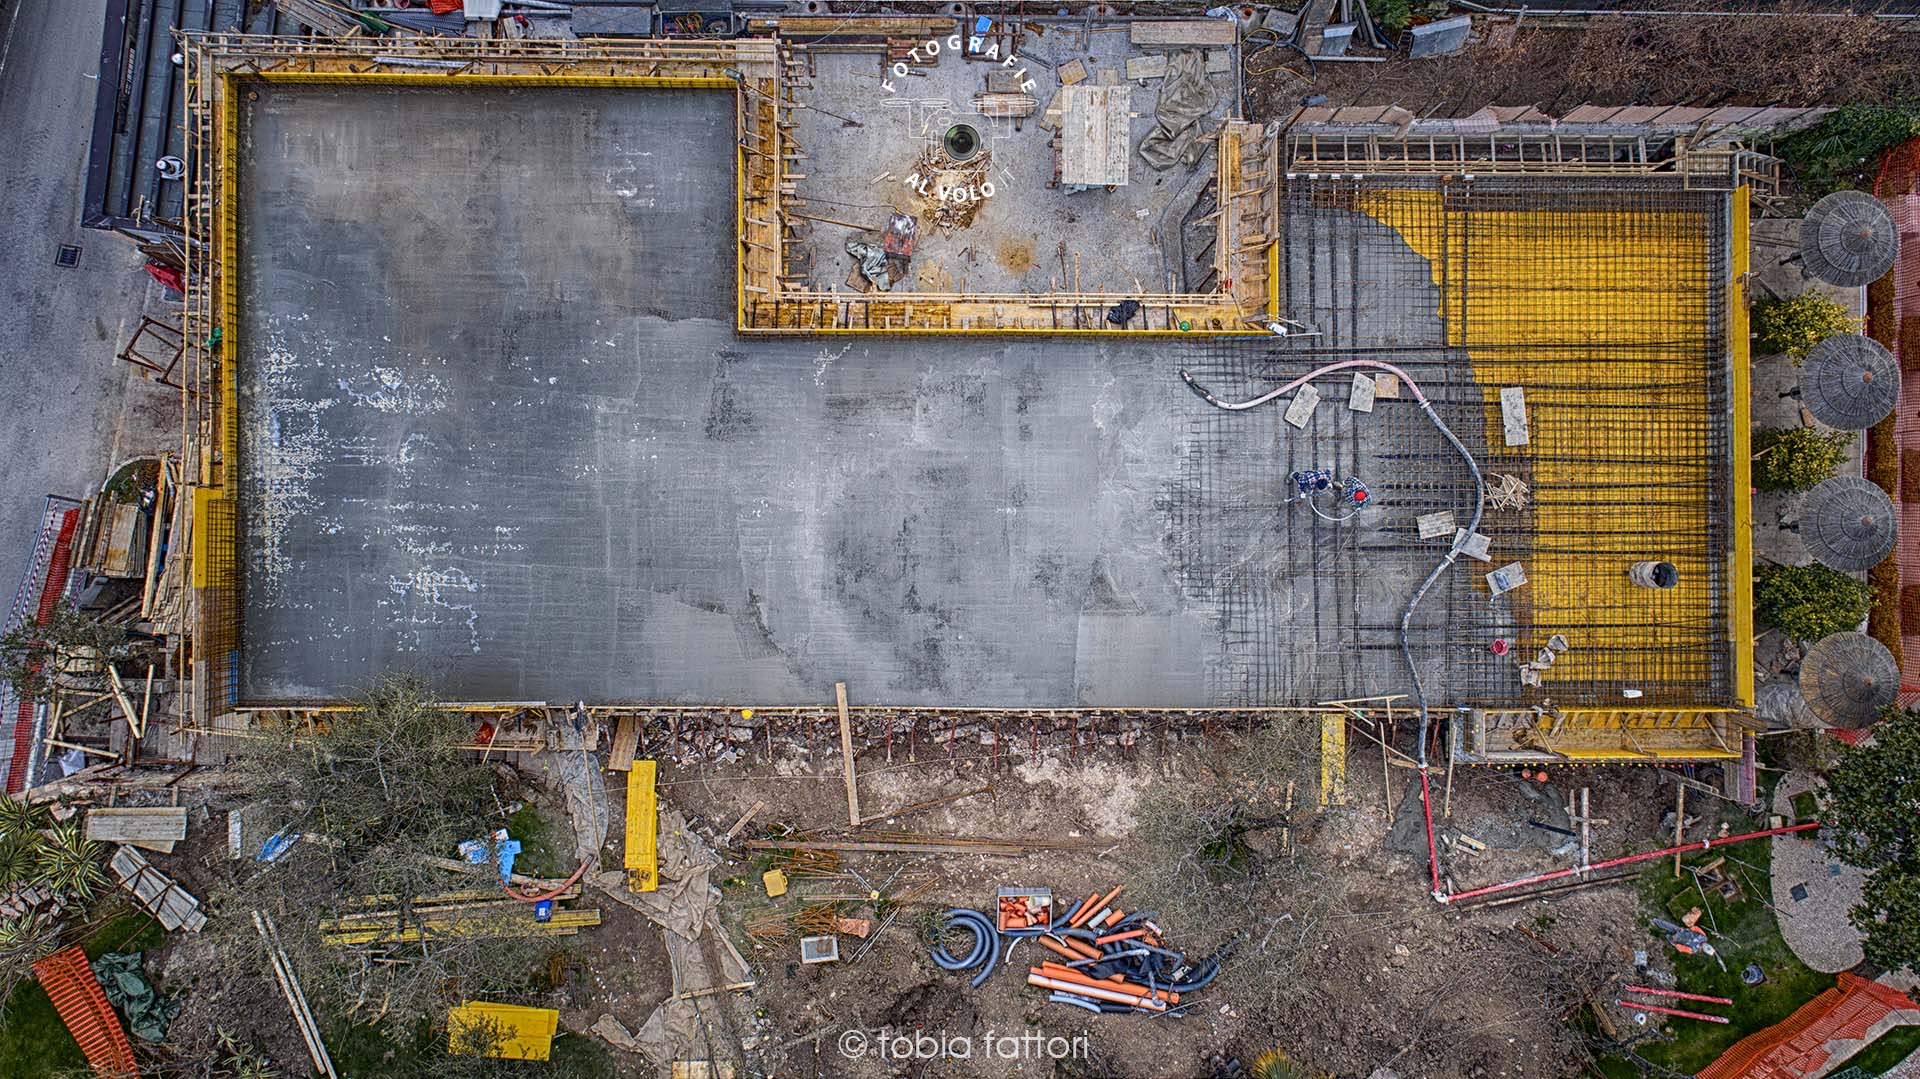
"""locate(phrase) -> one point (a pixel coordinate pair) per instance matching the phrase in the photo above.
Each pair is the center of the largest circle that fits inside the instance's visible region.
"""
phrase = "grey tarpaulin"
(702, 959)
(577, 773)
(128, 990)
(873, 263)
(1185, 100)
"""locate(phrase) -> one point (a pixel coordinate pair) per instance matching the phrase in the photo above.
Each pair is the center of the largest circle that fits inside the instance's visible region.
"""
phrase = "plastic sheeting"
(703, 961)
(1185, 100)
(873, 263)
(133, 996)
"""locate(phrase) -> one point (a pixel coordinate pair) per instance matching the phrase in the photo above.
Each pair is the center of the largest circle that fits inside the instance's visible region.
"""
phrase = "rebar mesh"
(1604, 300)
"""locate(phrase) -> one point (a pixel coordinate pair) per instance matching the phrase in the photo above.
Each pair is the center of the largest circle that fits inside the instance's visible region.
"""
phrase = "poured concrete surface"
(497, 430)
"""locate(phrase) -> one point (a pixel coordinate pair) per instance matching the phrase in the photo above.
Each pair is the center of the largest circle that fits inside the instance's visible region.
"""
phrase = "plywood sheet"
(118, 560)
(1185, 32)
(1095, 135)
(626, 741)
(156, 825)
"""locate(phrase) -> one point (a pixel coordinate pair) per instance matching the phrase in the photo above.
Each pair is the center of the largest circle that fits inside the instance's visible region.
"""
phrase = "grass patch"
(545, 850)
(34, 1043)
(1806, 807)
(1751, 935)
(1885, 1051)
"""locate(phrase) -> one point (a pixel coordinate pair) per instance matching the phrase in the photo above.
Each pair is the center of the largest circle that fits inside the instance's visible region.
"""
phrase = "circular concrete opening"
(962, 142)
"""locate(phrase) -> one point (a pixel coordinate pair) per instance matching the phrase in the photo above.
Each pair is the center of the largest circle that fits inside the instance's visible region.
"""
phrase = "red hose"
(1671, 1011)
(1433, 851)
(571, 881)
(1611, 862)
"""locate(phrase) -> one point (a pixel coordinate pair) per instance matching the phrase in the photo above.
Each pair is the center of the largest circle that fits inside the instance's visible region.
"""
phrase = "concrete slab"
(497, 429)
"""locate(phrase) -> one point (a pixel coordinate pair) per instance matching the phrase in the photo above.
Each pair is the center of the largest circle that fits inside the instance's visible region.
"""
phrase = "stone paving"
(1815, 927)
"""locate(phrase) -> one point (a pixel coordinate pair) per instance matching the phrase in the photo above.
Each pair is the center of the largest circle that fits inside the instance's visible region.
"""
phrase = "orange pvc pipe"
(1107, 900)
(1060, 949)
(1128, 935)
(1081, 949)
(1094, 991)
(1055, 970)
(1087, 910)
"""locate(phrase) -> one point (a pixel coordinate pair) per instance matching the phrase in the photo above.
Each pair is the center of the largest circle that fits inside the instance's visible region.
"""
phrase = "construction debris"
(820, 949)
(1110, 961)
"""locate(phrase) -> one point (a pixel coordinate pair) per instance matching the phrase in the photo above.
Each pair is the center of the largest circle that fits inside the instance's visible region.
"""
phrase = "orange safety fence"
(76, 995)
(1801, 1044)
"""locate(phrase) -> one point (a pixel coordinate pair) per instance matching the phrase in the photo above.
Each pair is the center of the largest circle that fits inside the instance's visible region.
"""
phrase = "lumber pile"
(325, 19)
(296, 999)
(156, 829)
(174, 906)
(376, 920)
(808, 29)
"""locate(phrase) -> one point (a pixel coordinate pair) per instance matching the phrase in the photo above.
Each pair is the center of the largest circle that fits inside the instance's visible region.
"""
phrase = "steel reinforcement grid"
(1605, 301)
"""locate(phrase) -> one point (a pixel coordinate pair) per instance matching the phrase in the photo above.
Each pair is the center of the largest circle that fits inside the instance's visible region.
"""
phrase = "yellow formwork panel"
(1524, 290)
(1740, 563)
(444, 81)
(1333, 760)
(523, 1033)
(643, 827)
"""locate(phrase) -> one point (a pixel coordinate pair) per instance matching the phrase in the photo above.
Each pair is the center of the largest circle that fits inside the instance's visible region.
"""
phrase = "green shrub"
(1795, 458)
(1808, 602)
(1393, 16)
(1792, 326)
(1837, 152)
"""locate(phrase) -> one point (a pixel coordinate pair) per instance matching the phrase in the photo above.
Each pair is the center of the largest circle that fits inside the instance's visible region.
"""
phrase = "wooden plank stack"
(375, 919)
(174, 906)
(156, 829)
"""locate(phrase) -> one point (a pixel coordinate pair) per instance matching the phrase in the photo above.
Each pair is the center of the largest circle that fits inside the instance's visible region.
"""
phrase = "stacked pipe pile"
(1110, 961)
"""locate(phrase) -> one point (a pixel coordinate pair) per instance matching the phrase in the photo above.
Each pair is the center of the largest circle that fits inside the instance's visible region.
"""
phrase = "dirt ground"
(1387, 977)
(1791, 61)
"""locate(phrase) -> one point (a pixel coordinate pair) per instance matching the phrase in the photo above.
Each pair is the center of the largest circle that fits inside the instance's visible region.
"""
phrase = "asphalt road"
(68, 408)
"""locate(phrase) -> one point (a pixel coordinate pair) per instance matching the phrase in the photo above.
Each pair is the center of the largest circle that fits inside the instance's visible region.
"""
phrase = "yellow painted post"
(1333, 759)
(643, 829)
